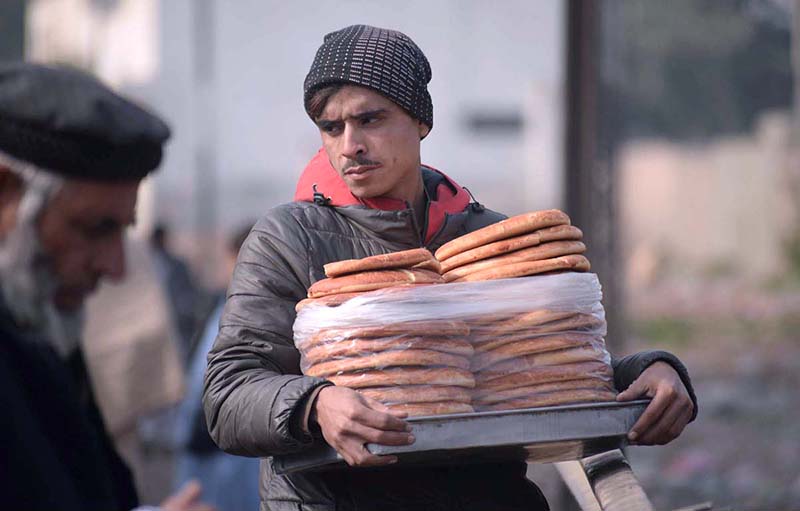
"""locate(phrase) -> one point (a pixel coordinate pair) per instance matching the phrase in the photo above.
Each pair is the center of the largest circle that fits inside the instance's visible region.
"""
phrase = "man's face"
(81, 231)
(372, 143)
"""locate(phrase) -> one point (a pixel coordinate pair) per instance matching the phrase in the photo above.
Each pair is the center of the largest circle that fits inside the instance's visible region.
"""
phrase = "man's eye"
(329, 129)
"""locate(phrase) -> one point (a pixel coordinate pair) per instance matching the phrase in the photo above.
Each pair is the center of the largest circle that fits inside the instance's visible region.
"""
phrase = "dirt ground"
(742, 347)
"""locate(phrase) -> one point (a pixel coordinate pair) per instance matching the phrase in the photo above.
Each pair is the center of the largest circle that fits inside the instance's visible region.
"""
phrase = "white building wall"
(486, 57)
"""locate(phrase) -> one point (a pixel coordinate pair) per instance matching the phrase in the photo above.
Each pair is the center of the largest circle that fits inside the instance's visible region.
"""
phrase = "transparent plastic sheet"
(506, 343)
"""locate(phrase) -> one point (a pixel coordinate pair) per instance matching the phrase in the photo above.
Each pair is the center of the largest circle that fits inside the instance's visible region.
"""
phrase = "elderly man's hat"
(65, 121)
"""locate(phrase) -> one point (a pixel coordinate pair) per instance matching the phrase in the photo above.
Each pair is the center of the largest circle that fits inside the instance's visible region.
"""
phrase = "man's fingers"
(635, 390)
(380, 420)
(357, 455)
(365, 434)
(659, 431)
(377, 405)
(650, 416)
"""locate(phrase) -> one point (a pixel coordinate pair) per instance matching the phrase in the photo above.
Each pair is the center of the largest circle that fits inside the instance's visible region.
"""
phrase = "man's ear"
(10, 194)
(423, 129)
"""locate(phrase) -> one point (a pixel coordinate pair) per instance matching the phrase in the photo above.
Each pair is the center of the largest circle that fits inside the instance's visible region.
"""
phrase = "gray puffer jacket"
(254, 390)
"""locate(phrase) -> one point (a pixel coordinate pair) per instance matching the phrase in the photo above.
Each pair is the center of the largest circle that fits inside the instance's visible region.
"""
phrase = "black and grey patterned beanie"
(384, 60)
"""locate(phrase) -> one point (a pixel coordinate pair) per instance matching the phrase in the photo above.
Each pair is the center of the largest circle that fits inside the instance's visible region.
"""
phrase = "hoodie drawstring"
(476, 206)
(319, 197)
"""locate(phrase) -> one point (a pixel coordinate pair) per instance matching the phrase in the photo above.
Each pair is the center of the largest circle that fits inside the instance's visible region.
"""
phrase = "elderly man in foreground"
(72, 155)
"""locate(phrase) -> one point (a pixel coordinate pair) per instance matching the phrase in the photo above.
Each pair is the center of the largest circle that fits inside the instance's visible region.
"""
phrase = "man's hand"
(669, 411)
(187, 499)
(349, 420)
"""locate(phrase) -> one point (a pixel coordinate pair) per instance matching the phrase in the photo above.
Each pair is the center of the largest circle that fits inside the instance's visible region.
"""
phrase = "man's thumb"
(632, 392)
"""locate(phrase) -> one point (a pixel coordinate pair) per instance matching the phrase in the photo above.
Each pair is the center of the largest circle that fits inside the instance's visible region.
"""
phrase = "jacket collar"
(321, 184)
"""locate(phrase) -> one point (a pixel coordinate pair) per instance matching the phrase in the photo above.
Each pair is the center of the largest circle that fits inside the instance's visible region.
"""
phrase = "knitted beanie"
(384, 60)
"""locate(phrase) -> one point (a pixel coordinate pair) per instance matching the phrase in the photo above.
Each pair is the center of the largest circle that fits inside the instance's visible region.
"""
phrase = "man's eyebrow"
(326, 123)
(369, 113)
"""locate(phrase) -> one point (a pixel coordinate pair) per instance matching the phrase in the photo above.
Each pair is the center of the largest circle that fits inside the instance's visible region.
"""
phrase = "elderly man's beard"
(26, 282)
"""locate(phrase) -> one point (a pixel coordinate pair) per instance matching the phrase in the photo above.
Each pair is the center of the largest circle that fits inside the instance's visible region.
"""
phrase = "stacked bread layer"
(538, 357)
(420, 367)
(503, 359)
(529, 244)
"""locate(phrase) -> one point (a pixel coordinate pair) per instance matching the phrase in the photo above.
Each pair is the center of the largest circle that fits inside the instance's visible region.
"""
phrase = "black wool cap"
(384, 60)
(67, 122)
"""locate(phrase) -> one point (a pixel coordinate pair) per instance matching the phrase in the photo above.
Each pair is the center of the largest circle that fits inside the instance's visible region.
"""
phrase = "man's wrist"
(310, 426)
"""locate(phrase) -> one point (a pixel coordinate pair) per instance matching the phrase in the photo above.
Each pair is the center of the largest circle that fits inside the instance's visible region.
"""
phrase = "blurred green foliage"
(691, 69)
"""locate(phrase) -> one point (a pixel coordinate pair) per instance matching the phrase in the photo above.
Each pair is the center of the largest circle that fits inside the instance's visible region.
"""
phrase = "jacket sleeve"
(253, 388)
(627, 369)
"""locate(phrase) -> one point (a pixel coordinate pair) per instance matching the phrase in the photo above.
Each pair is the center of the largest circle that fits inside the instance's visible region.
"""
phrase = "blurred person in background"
(366, 193)
(72, 155)
(184, 296)
(229, 482)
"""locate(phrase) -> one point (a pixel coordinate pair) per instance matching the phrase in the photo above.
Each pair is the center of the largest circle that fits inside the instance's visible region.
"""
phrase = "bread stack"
(420, 367)
(538, 357)
(528, 244)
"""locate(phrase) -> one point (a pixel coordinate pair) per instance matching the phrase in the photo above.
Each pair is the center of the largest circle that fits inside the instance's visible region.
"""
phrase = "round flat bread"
(403, 259)
(325, 301)
(518, 356)
(555, 233)
(546, 342)
(358, 347)
(513, 270)
(418, 394)
(371, 280)
(508, 228)
(443, 328)
(518, 329)
(547, 374)
(436, 408)
(406, 376)
(424, 358)
(562, 397)
(431, 264)
(521, 363)
(537, 253)
(485, 397)
(482, 320)
(492, 323)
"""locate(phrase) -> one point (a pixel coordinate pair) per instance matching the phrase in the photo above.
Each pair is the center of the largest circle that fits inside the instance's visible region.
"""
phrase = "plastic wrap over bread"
(463, 347)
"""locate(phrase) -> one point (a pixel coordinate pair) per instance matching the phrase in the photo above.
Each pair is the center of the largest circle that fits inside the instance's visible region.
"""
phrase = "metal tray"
(541, 435)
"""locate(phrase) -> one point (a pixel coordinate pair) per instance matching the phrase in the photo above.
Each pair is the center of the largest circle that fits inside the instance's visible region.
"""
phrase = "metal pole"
(590, 145)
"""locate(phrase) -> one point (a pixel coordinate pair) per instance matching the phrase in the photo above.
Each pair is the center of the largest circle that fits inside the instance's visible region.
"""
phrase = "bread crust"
(406, 376)
(508, 228)
(412, 357)
(484, 397)
(326, 301)
(418, 394)
(402, 259)
(356, 347)
(537, 253)
(372, 280)
(562, 397)
(439, 328)
(512, 270)
(488, 337)
(496, 363)
(545, 374)
(436, 408)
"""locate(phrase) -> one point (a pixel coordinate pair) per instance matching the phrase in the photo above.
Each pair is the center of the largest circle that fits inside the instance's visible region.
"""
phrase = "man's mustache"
(358, 162)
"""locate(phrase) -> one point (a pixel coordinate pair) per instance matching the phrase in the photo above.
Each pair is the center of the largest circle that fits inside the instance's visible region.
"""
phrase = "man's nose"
(110, 258)
(354, 143)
